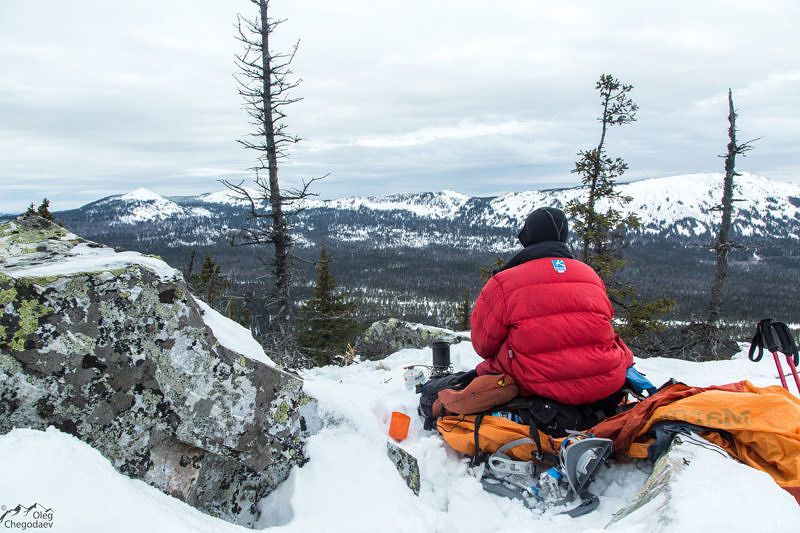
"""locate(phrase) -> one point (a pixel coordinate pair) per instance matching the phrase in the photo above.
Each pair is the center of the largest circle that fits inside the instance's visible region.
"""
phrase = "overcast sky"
(101, 97)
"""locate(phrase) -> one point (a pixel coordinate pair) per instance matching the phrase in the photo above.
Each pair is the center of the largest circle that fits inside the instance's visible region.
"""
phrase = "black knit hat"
(544, 224)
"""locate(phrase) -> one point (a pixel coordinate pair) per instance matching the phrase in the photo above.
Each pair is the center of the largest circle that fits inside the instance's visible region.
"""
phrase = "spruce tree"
(487, 273)
(43, 210)
(598, 223)
(464, 312)
(326, 319)
(601, 234)
(209, 284)
(214, 288)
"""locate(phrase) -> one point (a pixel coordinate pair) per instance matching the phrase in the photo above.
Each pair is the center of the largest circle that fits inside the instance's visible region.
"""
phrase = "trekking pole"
(764, 337)
(789, 348)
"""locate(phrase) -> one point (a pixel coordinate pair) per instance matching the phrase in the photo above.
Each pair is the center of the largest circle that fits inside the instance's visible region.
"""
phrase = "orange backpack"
(760, 426)
(494, 432)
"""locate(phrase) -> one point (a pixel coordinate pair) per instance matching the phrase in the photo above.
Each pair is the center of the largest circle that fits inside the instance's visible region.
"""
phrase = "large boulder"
(111, 347)
(385, 337)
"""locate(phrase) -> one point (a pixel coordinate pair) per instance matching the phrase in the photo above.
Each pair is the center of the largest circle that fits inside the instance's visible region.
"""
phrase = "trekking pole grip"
(765, 327)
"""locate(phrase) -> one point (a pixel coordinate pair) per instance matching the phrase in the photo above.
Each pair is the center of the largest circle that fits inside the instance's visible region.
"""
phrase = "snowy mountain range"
(430, 244)
(674, 206)
(681, 205)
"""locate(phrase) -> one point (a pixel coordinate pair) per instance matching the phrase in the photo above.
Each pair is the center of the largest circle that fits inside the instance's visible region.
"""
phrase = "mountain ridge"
(426, 247)
(510, 209)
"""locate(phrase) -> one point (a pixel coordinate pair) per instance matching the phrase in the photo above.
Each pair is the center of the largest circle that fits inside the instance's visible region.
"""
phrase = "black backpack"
(557, 419)
(550, 416)
(430, 392)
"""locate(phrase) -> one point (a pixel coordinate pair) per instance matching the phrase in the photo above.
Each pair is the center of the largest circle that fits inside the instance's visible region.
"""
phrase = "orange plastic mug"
(398, 427)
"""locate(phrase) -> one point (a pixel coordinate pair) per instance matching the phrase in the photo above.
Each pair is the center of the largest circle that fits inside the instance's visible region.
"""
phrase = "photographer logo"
(35, 516)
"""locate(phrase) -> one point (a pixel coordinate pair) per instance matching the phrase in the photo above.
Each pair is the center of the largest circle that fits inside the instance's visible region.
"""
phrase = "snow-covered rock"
(388, 336)
(110, 347)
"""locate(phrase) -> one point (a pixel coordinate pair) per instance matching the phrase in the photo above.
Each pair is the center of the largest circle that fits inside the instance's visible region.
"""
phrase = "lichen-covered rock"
(406, 465)
(385, 337)
(111, 347)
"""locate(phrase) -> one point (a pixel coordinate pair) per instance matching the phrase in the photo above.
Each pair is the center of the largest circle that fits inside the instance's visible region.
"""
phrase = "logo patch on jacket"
(559, 266)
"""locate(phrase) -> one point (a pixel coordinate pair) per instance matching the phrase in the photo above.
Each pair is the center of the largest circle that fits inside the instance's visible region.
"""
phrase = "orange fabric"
(625, 427)
(495, 431)
(483, 393)
(764, 423)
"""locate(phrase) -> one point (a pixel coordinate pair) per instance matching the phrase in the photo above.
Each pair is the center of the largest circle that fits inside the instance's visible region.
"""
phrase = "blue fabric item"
(635, 380)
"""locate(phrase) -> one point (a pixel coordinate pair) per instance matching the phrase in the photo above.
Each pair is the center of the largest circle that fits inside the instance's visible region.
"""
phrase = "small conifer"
(601, 231)
(214, 288)
(43, 210)
(326, 319)
(209, 284)
(464, 312)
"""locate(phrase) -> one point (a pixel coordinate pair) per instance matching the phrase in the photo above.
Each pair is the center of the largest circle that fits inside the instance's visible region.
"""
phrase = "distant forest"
(426, 284)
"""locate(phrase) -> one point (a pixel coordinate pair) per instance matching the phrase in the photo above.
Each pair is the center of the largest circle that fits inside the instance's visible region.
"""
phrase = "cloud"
(463, 130)
(410, 95)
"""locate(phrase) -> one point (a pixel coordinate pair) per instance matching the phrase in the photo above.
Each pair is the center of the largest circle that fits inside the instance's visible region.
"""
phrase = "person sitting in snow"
(545, 320)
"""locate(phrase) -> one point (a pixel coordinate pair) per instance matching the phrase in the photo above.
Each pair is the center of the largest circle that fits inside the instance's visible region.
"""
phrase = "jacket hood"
(544, 224)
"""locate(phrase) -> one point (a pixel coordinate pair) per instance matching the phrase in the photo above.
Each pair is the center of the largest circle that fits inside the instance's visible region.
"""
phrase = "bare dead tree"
(265, 81)
(723, 245)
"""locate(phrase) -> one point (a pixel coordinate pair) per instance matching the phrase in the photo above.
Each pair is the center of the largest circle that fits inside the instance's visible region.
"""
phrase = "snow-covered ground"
(350, 485)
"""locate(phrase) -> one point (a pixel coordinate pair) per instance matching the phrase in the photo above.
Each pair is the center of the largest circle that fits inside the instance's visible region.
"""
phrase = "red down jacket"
(547, 322)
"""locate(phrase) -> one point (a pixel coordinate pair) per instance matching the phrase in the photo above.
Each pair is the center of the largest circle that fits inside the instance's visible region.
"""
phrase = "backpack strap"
(478, 456)
(534, 433)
